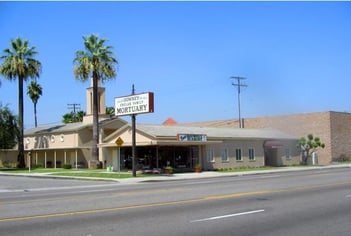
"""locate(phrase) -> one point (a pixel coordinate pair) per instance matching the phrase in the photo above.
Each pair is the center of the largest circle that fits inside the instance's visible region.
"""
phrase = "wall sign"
(192, 137)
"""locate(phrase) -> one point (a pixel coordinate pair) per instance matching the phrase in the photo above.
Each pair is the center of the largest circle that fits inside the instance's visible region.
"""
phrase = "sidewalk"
(183, 176)
(214, 174)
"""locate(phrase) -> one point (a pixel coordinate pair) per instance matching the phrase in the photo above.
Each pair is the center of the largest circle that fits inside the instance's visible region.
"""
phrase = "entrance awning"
(271, 144)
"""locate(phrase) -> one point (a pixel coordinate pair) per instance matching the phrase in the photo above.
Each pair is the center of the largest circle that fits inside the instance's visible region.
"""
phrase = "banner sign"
(134, 104)
(192, 137)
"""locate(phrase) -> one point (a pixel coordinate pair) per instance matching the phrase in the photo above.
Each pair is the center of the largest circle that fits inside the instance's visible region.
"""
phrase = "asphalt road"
(314, 202)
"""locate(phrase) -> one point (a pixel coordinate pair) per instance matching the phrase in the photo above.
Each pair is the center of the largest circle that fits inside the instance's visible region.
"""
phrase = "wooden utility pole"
(239, 85)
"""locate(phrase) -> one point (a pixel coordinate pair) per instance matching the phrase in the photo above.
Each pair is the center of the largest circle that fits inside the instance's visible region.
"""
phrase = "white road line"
(227, 216)
(348, 195)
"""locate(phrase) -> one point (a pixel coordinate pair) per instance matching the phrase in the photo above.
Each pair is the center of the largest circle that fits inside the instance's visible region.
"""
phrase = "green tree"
(18, 62)
(34, 91)
(308, 146)
(8, 128)
(73, 117)
(97, 62)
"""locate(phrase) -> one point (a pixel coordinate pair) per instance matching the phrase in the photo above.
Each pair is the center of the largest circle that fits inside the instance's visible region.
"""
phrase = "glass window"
(251, 154)
(224, 155)
(238, 154)
(210, 156)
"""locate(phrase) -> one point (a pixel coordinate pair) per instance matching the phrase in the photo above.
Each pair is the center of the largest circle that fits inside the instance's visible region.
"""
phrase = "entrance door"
(270, 156)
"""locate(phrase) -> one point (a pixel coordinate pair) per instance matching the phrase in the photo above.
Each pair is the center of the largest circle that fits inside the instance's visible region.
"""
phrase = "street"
(315, 202)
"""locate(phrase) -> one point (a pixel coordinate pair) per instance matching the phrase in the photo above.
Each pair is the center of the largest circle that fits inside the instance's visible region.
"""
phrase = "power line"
(239, 85)
(74, 107)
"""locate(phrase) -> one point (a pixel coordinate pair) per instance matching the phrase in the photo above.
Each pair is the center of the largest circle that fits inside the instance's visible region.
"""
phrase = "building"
(181, 146)
(334, 129)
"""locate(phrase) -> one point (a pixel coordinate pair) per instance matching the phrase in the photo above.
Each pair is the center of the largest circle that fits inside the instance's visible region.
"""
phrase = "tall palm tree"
(34, 91)
(19, 62)
(97, 62)
(73, 117)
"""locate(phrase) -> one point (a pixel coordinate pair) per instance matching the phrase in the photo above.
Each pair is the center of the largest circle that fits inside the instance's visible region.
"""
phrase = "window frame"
(238, 157)
(210, 155)
(224, 151)
(252, 154)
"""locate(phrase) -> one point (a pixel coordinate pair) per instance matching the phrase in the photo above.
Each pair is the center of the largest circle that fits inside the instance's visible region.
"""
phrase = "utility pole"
(74, 106)
(133, 140)
(238, 84)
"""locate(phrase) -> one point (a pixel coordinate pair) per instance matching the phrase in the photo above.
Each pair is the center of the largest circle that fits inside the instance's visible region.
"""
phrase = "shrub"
(8, 164)
(39, 165)
(67, 166)
(169, 170)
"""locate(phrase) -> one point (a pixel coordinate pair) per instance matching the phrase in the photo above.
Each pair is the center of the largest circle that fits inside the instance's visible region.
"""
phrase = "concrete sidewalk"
(214, 174)
(183, 176)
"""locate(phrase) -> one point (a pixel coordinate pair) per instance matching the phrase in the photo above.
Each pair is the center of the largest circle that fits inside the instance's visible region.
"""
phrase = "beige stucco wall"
(232, 162)
(300, 125)
(259, 161)
(69, 147)
(42, 141)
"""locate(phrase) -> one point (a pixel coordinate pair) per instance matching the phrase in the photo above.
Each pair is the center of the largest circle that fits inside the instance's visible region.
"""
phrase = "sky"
(295, 56)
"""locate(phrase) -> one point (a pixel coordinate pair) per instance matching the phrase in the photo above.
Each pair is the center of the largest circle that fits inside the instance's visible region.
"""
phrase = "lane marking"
(95, 194)
(73, 213)
(322, 174)
(103, 210)
(227, 216)
(210, 198)
(348, 195)
(233, 195)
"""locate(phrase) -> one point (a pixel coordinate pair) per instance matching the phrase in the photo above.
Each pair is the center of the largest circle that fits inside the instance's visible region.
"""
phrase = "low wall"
(8, 158)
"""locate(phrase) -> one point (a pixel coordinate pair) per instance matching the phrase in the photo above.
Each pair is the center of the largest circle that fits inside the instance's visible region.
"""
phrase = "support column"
(76, 159)
(45, 159)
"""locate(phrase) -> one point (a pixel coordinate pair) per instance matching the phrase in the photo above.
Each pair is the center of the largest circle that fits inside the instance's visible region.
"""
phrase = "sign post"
(132, 105)
(119, 142)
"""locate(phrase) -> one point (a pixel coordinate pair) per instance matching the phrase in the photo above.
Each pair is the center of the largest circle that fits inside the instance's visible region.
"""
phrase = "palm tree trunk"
(20, 157)
(35, 115)
(95, 151)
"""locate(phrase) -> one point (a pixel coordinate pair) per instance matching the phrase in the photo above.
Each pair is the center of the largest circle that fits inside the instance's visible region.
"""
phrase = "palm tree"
(97, 62)
(73, 117)
(19, 62)
(34, 91)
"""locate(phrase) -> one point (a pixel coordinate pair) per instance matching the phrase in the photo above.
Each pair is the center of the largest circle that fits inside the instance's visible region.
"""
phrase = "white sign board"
(134, 104)
(192, 137)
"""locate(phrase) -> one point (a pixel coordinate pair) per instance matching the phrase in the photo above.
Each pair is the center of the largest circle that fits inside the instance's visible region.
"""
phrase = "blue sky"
(296, 56)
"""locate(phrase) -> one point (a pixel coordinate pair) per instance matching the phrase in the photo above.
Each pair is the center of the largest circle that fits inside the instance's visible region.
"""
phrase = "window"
(224, 155)
(210, 156)
(251, 154)
(287, 153)
(238, 154)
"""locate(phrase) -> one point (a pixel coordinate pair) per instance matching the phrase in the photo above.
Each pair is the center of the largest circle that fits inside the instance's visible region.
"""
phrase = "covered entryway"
(272, 149)
(181, 157)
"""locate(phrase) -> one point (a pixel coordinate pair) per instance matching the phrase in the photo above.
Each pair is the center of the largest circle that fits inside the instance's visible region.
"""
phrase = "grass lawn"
(96, 173)
(108, 175)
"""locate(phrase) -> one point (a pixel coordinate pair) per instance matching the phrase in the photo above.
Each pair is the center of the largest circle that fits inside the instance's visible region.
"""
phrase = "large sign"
(192, 137)
(134, 104)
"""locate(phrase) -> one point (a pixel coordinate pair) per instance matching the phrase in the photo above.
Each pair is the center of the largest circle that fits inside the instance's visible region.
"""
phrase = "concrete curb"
(183, 176)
